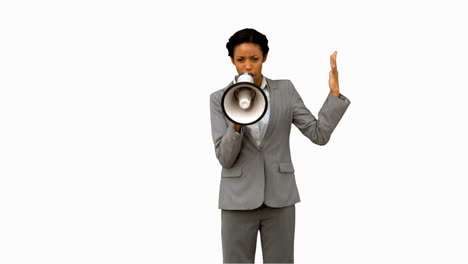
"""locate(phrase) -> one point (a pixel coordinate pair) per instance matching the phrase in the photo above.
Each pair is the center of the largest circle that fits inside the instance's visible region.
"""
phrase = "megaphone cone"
(244, 103)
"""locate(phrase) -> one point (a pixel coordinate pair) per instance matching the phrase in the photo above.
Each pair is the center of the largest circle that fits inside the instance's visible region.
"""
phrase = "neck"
(258, 81)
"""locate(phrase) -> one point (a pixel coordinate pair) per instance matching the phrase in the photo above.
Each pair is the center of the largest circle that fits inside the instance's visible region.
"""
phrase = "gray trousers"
(239, 230)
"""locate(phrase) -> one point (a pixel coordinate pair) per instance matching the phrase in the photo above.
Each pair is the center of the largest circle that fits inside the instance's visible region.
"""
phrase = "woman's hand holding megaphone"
(237, 127)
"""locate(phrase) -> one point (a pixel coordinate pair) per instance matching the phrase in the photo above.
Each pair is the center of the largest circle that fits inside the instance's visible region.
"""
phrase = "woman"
(258, 188)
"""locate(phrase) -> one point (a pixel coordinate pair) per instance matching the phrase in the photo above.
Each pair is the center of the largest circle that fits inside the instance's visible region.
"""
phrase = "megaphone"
(244, 102)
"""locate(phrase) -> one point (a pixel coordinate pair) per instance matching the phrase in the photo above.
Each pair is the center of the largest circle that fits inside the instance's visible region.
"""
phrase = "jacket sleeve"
(318, 130)
(227, 141)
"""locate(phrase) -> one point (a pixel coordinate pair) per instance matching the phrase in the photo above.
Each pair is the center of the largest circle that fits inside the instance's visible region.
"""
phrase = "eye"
(254, 59)
(240, 59)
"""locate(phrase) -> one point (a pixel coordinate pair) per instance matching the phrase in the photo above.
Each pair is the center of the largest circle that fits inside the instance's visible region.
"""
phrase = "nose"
(248, 67)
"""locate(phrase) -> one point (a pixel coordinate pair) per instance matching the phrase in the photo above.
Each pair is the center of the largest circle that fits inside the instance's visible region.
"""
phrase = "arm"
(318, 130)
(226, 139)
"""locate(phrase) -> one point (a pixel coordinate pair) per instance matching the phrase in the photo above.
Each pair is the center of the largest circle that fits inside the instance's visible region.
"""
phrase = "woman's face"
(248, 57)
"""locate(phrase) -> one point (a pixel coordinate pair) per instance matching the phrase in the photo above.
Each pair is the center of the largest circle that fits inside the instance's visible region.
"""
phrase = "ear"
(265, 57)
(232, 60)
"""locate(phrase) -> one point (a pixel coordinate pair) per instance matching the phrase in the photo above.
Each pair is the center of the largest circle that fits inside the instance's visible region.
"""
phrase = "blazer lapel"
(273, 110)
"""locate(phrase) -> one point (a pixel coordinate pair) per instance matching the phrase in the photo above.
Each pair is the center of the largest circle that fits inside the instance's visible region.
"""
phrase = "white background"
(106, 153)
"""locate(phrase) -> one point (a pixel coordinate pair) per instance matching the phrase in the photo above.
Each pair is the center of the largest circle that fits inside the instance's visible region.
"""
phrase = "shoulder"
(284, 85)
(279, 81)
(218, 94)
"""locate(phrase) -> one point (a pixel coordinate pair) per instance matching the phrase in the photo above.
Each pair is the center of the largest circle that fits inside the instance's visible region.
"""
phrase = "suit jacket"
(252, 174)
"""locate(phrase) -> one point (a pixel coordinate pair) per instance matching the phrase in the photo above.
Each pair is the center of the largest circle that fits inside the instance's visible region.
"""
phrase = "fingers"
(333, 61)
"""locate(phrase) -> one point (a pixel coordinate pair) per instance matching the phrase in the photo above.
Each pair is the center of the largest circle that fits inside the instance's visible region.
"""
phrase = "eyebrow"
(247, 56)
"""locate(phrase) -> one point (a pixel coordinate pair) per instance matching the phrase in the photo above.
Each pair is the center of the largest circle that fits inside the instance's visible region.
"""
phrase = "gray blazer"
(252, 174)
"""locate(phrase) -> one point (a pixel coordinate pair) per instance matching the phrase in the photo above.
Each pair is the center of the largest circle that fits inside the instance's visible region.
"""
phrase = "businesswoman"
(258, 189)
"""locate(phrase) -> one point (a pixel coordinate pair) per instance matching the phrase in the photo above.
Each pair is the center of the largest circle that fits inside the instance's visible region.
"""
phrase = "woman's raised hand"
(333, 76)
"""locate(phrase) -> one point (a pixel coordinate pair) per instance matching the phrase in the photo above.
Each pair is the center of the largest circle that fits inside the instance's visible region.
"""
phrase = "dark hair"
(247, 35)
